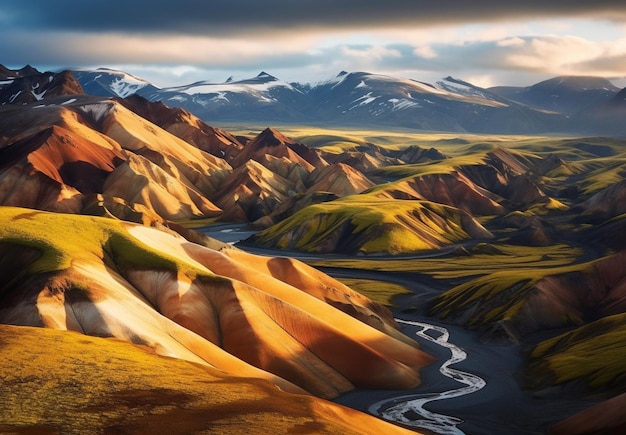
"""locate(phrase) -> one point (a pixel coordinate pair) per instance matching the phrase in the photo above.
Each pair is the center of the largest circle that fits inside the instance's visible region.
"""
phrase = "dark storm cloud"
(243, 16)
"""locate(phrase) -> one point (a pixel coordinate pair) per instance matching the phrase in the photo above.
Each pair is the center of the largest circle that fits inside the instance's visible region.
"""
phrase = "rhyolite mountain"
(552, 204)
(229, 314)
(361, 98)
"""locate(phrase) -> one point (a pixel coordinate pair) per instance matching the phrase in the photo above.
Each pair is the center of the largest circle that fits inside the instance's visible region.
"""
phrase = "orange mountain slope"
(242, 314)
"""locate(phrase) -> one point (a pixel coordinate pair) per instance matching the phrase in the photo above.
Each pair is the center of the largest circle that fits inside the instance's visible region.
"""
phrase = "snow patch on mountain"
(118, 83)
(460, 87)
(363, 100)
(127, 85)
(402, 103)
(97, 110)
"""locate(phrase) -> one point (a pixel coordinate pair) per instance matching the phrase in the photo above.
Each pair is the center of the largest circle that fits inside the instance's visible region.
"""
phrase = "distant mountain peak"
(619, 99)
(271, 136)
(264, 75)
(579, 83)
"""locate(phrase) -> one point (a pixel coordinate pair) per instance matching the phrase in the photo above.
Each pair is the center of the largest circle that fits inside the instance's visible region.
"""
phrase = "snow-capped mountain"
(263, 97)
(105, 82)
(569, 95)
(350, 99)
(356, 99)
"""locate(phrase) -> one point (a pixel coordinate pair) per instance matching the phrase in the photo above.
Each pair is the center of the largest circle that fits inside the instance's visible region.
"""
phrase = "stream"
(409, 409)
(402, 409)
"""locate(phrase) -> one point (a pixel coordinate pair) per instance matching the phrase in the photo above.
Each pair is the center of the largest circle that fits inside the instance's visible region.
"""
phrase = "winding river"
(409, 409)
(400, 409)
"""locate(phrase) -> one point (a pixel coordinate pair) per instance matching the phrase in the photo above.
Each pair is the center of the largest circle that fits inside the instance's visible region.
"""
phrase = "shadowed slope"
(605, 418)
(592, 355)
(33, 87)
(529, 300)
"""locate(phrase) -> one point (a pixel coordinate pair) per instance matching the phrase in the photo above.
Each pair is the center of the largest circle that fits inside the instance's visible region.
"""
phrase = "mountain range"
(523, 235)
(567, 105)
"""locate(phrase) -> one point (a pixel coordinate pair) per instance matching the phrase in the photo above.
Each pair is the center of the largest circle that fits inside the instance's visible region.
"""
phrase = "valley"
(331, 267)
(409, 284)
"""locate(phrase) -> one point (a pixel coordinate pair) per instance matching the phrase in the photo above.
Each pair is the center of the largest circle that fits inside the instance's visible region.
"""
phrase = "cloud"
(425, 52)
(200, 17)
(491, 41)
(71, 48)
(374, 53)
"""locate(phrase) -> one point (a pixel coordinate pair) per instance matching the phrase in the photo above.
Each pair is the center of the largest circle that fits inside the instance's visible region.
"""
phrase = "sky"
(487, 43)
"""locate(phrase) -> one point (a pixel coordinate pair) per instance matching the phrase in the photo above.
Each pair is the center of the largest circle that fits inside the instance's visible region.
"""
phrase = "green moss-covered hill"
(368, 225)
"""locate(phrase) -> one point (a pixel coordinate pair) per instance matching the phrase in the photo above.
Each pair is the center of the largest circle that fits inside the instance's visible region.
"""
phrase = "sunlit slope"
(185, 126)
(234, 311)
(370, 225)
(73, 152)
(66, 382)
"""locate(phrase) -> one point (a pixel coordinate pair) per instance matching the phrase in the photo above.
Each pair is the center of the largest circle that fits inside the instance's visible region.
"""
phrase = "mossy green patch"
(63, 239)
(594, 352)
(381, 225)
(382, 292)
(482, 260)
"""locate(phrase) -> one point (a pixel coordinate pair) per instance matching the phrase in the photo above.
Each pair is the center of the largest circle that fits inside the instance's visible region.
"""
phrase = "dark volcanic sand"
(501, 407)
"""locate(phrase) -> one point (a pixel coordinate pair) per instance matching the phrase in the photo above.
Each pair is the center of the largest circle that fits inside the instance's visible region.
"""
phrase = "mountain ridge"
(557, 105)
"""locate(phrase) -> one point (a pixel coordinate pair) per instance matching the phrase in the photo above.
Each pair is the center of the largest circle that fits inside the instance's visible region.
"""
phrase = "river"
(406, 409)
(488, 401)
(403, 409)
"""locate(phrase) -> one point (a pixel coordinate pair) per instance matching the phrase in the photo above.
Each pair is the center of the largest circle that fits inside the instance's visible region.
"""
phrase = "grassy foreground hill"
(272, 318)
(65, 382)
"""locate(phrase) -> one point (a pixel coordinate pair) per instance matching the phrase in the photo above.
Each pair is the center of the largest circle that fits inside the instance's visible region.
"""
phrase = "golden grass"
(483, 259)
(62, 239)
(382, 292)
(196, 222)
(386, 225)
(64, 382)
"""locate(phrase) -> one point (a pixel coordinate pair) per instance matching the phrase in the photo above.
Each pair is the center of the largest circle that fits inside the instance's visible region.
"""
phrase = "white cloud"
(511, 42)
(375, 52)
(425, 51)
(520, 51)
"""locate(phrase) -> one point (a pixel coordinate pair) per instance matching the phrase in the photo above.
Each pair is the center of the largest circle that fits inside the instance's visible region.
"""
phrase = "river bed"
(472, 388)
